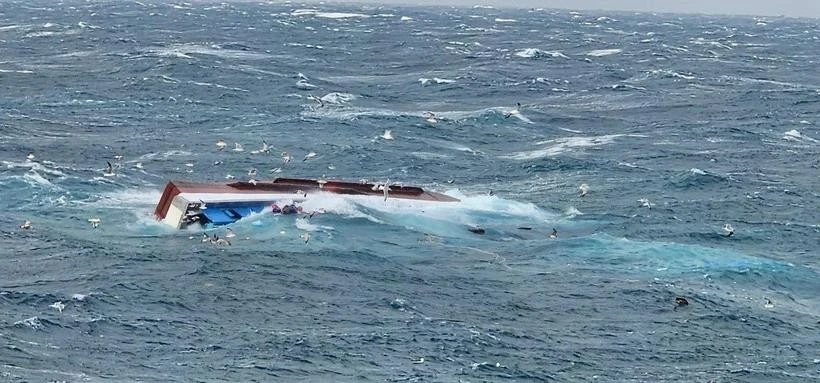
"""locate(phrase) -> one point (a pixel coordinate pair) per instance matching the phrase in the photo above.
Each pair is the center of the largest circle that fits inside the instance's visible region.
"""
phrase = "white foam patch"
(35, 179)
(431, 156)
(794, 135)
(338, 98)
(327, 15)
(535, 53)
(34, 166)
(562, 145)
(603, 52)
(130, 198)
(188, 49)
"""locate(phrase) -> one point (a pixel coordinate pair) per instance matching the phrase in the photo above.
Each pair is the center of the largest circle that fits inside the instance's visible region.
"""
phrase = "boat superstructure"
(185, 203)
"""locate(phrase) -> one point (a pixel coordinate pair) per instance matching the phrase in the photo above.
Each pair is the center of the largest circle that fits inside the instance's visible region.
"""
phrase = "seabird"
(238, 147)
(138, 165)
(109, 170)
(387, 135)
(30, 157)
(514, 111)
(229, 177)
(252, 182)
(681, 301)
(306, 236)
(221, 241)
(286, 157)
(491, 193)
(189, 167)
(265, 147)
(317, 99)
(583, 190)
(385, 188)
(554, 233)
(221, 144)
(95, 222)
(309, 156)
(430, 117)
(729, 230)
(321, 183)
(205, 237)
(58, 305)
(26, 225)
(769, 304)
(645, 202)
(252, 172)
(230, 233)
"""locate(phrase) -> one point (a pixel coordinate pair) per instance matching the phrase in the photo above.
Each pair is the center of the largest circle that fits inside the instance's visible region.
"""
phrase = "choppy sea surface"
(712, 120)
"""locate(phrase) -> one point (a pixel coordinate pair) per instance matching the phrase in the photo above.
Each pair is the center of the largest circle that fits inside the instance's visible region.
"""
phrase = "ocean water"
(714, 120)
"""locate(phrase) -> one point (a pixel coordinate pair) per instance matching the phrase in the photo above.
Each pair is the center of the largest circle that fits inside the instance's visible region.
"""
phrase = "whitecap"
(500, 20)
(535, 53)
(794, 135)
(338, 98)
(328, 15)
(603, 52)
(438, 80)
(304, 85)
(405, 18)
(562, 145)
(697, 171)
(32, 322)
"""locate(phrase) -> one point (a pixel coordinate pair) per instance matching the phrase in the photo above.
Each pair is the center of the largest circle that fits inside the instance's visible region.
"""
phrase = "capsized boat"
(215, 204)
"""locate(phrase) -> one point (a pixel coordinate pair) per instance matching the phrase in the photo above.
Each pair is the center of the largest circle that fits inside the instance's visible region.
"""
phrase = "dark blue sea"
(678, 125)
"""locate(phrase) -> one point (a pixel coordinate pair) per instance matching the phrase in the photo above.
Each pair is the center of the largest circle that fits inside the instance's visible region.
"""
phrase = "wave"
(563, 145)
(604, 52)
(537, 53)
(327, 15)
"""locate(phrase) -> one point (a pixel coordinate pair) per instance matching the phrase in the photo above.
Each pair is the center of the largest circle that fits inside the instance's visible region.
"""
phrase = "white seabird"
(57, 305)
(138, 165)
(238, 147)
(30, 157)
(230, 233)
(317, 99)
(309, 156)
(387, 135)
(286, 157)
(26, 225)
(729, 230)
(95, 222)
(109, 170)
(583, 190)
(385, 188)
(430, 117)
(514, 112)
(306, 236)
(221, 144)
(645, 202)
(252, 172)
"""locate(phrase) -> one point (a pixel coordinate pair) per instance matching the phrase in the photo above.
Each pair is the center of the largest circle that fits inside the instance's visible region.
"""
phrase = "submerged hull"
(213, 204)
